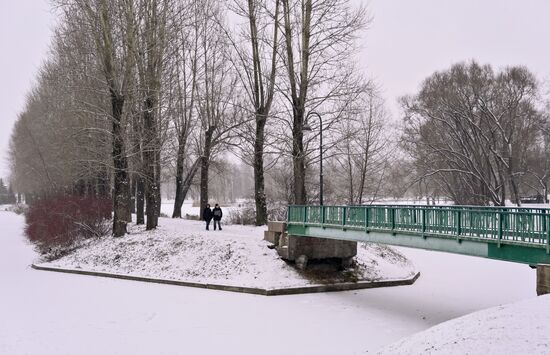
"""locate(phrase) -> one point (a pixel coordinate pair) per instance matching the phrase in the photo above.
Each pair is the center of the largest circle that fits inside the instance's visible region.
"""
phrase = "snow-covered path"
(52, 313)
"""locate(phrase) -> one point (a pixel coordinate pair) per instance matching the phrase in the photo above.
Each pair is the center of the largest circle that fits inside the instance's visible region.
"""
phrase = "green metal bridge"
(519, 235)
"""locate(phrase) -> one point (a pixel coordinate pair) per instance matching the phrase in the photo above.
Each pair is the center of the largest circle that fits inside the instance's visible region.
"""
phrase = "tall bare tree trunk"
(351, 190)
(298, 158)
(205, 166)
(298, 94)
(263, 91)
(180, 159)
(140, 200)
(157, 181)
(183, 187)
(259, 180)
(121, 193)
(150, 165)
(133, 186)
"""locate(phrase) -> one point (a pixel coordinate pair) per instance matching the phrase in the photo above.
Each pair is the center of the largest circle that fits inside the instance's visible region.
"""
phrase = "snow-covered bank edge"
(516, 328)
(238, 256)
(316, 288)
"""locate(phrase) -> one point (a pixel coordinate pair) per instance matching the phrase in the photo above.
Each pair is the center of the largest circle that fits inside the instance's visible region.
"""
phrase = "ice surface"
(52, 313)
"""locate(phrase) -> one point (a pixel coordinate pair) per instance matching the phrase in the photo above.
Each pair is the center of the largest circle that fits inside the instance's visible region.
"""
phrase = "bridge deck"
(511, 234)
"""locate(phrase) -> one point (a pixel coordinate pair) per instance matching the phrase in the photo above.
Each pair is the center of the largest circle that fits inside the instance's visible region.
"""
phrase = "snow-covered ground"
(53, 313)
(237, 255)
(517, 328)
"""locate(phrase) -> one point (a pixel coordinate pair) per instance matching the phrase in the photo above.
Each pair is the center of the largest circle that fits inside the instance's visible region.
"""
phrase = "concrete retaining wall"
(258, 291)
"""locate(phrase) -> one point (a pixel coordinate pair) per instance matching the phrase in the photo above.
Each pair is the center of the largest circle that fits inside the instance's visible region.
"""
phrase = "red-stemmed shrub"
(56, 225)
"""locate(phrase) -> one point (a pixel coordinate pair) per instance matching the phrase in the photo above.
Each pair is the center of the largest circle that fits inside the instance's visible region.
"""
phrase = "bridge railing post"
(423, 213)
(392, 217)
(344, 216)
(458, 222)
(547, 217)
(500, 222)
(366, 218)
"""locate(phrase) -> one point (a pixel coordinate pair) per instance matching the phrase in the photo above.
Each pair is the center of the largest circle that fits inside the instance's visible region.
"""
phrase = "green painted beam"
(510, 234)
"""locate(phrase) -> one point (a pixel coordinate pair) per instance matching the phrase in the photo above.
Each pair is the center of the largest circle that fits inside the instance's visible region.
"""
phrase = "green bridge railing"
(529, 227)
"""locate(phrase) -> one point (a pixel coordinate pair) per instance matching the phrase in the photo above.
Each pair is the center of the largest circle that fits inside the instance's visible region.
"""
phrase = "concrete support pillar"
(320, 248)
(543, 279)
(303, 249)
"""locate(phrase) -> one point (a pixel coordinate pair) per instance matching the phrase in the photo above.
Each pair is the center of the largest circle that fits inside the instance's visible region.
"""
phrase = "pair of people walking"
(216, 214)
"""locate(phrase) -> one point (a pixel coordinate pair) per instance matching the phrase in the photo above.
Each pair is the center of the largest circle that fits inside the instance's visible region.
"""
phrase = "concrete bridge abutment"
(543, 279)
(302, 249)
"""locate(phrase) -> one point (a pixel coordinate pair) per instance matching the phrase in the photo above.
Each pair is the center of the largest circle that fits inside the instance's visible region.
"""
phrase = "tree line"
(134, 90)
(479, 136)
(135, 93)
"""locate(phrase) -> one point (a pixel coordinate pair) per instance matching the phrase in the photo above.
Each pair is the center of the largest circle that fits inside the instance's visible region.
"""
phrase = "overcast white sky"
(24, 36)
(406, 42)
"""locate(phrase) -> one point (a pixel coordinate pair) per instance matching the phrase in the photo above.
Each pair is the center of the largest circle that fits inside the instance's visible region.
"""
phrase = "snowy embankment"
(517, 328)
(236, 256)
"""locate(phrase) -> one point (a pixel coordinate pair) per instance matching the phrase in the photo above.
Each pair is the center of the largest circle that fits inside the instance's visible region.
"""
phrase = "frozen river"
(53, 313)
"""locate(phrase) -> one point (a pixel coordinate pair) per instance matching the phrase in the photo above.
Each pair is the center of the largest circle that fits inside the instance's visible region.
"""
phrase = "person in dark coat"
(217, 213)
(207, 215)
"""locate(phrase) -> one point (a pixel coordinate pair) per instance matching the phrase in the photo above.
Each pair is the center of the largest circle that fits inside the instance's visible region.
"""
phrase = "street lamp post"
(307, 127)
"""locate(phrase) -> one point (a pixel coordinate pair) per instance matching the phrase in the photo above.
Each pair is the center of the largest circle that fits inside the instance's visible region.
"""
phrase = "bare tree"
(148, 26)
(469, 130)
(364, 152)
(183, 97)
(258, 66)
(319, 38)
(218, 107)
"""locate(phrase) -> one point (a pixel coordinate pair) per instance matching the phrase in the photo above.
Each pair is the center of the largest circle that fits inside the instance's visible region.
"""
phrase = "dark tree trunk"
(502, 201)
(121, 191)
(180, 159)
(157, 181)
(183, 188)
(140, 200)
(133, 195)
(205, 166)
(259, 181)
(351, 191)
(298, 158)
(150, 165)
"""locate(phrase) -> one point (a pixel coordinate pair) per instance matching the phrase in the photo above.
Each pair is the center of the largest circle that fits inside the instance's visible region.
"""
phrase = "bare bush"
(247, 214)
(57, 225)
